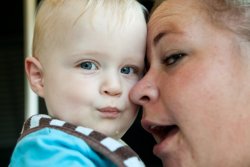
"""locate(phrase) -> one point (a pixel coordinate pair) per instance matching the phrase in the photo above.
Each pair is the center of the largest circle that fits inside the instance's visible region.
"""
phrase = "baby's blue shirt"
(51, 147)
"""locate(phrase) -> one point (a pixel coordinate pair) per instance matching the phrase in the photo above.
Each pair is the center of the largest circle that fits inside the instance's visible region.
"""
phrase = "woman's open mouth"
(161, 133)
(164, 135)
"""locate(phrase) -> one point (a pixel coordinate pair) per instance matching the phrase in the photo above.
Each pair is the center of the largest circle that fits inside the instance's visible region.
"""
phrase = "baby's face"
(88, 77)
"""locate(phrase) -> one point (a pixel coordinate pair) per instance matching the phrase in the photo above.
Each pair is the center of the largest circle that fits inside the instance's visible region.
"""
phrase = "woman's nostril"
(145, 98)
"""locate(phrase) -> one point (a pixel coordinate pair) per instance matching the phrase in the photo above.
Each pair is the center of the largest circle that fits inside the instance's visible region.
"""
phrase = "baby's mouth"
(109, 112)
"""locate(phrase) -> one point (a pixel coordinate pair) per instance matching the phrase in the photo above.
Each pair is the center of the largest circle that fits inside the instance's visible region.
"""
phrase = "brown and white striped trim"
(120, 154)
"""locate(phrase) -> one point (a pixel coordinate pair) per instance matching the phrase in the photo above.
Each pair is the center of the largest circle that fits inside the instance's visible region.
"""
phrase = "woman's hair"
(51, 13)
(232, 14)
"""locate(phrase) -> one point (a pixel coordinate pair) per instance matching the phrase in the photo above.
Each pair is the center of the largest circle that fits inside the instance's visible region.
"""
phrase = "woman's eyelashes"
(173, 59)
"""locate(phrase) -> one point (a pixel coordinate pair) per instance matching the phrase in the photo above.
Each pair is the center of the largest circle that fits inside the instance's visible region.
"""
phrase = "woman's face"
(196, 93)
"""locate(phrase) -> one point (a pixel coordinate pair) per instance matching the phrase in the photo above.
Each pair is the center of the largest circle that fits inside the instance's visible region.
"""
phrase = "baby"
(87, 55)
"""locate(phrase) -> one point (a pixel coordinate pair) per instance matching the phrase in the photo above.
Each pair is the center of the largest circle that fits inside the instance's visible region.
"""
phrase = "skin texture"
(85, 77)
(195, 94)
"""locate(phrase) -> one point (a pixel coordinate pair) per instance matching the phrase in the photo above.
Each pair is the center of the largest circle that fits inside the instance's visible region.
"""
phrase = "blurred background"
(14, 94)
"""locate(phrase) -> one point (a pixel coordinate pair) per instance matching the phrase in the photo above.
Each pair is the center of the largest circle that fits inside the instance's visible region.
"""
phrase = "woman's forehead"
(172, 15)
(170, 7)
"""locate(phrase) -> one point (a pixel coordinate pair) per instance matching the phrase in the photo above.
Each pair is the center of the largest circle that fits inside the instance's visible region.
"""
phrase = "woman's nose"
(145, 91)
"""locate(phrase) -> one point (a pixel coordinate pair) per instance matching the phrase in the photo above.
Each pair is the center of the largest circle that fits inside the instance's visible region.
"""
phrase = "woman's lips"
(162, 132)
(109, 112)
(163, 135)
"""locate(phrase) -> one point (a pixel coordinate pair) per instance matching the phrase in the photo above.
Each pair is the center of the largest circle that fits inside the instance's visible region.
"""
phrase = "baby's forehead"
(58, 13)
(111, 8)
(55, 18)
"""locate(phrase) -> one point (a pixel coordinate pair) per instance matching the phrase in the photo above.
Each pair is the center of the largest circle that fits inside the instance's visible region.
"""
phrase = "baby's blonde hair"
(50, 13)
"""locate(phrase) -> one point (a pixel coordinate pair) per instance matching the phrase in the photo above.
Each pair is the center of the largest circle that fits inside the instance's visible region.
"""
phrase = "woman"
(196, 92)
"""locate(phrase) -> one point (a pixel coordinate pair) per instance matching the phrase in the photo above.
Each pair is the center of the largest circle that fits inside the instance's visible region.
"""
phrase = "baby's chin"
(116, 134)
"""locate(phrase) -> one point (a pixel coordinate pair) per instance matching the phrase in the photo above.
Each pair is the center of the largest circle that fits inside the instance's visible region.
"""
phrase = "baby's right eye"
(88, 65)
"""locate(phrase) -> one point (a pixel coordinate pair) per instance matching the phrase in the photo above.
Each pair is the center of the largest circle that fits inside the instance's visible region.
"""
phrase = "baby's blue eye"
(127, 70)
(88, 65)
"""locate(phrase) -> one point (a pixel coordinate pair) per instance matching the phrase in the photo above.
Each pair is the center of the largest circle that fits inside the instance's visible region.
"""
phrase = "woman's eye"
(174, 58)
(88, 65)
(128, 70)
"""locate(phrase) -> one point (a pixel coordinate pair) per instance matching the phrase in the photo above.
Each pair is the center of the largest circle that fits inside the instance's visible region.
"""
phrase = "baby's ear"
(34, 73)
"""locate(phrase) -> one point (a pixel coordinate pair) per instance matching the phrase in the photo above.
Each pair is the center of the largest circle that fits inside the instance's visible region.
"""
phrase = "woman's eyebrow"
(158, 37)
(164, 34)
